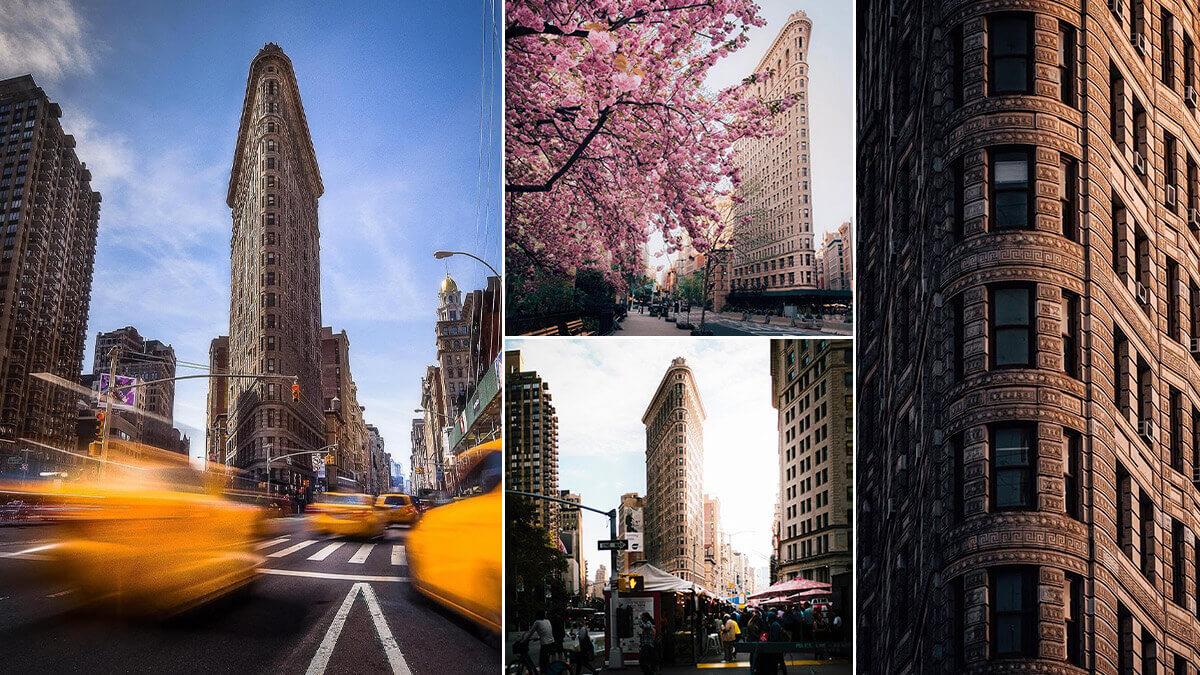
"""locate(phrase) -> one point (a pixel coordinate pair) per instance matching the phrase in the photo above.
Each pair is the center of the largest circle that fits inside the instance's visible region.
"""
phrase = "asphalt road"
(299, 614)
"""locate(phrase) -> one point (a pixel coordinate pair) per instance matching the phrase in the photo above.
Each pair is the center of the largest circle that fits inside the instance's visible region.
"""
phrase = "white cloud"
(42, 37)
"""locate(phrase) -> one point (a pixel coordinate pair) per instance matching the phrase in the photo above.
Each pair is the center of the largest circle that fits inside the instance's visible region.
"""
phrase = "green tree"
(532, 564)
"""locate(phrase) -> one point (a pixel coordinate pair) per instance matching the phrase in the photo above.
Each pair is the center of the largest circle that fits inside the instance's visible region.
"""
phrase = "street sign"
(316, 462)
(635, 541)
(613, 544)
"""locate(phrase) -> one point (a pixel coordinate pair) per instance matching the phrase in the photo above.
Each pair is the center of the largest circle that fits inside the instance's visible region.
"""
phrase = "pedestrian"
(646, 656)
(729, 636)
(558, 627)
(773, 662)
(837, 627)
(808, 616)
(545, 635)
(585, 651)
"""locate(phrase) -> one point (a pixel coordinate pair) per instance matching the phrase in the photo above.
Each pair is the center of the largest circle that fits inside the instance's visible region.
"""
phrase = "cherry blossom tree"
(610, 133)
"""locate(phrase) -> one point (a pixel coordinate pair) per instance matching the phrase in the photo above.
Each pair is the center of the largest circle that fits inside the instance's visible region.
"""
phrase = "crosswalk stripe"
(360, 556)
(324, 553)
(398, 557)
(292, 549)
(269, 544)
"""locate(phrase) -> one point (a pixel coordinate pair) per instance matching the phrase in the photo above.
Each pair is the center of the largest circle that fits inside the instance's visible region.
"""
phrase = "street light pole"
(446, 254)
(616, 659)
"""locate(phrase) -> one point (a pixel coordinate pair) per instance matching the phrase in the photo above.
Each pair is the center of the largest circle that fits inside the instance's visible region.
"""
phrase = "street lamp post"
(616, 660)
(446, 254)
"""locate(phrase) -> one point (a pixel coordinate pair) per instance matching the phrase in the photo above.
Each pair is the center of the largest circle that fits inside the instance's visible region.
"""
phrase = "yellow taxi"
(157, 541)
(347, 514)
(397, 508)
(454, 551)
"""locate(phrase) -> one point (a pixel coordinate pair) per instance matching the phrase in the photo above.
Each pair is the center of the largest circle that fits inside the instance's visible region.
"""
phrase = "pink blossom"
(602, 41)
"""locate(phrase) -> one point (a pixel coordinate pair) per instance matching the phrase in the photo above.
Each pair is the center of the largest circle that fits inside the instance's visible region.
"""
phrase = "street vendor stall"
(681, 612)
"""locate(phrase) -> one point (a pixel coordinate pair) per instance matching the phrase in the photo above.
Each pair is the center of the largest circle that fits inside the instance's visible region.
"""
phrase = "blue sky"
(600, 390)
(394, 96)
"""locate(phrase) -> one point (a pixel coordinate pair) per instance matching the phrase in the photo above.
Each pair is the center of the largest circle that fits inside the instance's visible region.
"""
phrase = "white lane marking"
(360, 556)
(61, 593)
(324, 553)
(27, 553)
(269, 544)
(292, 549)
(398, 557)
(331, 575)
(395, 658)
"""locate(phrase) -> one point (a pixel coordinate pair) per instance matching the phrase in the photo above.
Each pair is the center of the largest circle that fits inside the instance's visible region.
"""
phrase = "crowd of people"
(803, 622)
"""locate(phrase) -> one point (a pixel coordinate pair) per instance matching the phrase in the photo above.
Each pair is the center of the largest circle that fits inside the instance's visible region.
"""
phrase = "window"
(1124, 639)
(1178, 580)
(1072, 474)
(1170, 171)
(1014, 453)
(1012, 326)
(1146, 514)
(1167, 26)
(1068, 196)
(1120, 236)
(1066, 64)
(1189, 58)
(1174, 302)
(1175, 428)
(1014, 611)
(1124, 524)
(1073, 604)
(1116, 106)
(1149, 654)
(1009, 53)
(1011, 203)
(1070, 334)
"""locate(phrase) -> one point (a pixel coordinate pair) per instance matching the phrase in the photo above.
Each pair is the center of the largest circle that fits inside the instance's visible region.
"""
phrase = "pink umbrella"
(790, 587)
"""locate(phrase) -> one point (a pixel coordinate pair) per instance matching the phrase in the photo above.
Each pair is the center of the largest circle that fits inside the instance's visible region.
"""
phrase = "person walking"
(775, 661)
(545, 635)
(729, 636)
(582, 657)
(647, 656)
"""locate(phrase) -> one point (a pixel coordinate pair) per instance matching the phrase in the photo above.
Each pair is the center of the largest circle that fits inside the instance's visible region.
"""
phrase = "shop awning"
(791, 587)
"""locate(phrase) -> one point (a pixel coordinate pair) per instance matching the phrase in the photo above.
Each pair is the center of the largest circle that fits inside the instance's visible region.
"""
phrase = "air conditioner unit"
(1146, 429)
(902, 463)
(1117, 6)
(1139, 163)
(891, 506)
(1171, 193)
(1194, 218)
(1196, 345)
(1143, 293)
(1139, 42)
(1191, 97)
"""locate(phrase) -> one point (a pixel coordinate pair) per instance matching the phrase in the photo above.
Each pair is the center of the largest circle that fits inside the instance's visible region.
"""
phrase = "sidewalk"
(643, 324)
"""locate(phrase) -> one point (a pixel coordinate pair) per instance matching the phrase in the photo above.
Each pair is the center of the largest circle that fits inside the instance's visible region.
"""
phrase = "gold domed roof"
(448, 285)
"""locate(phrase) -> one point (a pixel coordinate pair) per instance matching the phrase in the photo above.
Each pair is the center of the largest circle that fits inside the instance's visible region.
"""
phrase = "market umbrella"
(790, 587)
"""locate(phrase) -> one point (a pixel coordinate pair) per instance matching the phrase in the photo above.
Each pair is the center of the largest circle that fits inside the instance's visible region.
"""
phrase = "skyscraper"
(50, 217)
(674, 516)
(453, 347)
(774, 249)
(275, 304)
(1028, 207)
(144, 360)
(531, 438)
(811, 389)
(217, 432)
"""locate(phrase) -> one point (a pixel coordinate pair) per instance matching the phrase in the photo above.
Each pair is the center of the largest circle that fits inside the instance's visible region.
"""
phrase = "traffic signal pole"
(616, 660)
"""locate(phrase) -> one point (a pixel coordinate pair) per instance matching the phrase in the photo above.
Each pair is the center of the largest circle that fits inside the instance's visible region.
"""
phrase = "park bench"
(575, 327)
(548, 330)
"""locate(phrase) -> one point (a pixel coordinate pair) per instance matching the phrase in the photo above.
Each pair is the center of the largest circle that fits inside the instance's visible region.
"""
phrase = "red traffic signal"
(98, 426)
(295, 392)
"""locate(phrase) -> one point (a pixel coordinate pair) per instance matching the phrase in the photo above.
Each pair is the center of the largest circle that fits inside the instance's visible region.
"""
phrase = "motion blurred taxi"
(347, 514)
(397, 508)
(454, 551)
(157, 541)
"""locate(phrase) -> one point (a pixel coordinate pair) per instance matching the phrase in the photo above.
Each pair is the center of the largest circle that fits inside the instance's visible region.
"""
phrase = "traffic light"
(94, 449)
(631, 583)
(98, 426)
(329, 458)
(295, 392)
